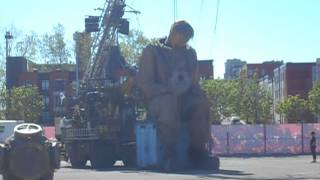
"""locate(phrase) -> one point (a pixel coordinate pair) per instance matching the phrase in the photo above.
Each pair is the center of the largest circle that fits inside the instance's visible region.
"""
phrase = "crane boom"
(104, 40)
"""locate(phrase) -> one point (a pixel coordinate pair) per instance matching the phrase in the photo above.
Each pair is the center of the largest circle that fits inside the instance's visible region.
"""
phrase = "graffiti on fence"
(263, 139)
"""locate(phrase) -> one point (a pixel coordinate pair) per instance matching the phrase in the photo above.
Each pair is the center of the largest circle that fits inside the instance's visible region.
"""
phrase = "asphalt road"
(294, 167)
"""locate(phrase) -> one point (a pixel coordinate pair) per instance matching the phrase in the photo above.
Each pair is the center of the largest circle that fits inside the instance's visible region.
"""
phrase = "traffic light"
(92, 24)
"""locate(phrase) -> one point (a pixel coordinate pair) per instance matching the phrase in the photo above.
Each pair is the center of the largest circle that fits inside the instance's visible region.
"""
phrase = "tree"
(220, 94)
(132, 45)
(314, 100)
(242, 97)
(82, 49)
(256, 102)
(22, 103)
(53, 48)
(28, 46)
(293, 108)
(22, 44)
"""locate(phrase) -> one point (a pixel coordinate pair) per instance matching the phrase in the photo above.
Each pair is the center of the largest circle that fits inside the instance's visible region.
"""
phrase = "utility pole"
(8, 36)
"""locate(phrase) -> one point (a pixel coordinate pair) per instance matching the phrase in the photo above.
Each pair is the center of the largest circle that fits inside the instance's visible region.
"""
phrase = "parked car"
(233, 120)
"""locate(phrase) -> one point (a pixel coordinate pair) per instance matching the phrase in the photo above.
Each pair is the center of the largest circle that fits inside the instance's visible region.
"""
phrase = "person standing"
(313, 146)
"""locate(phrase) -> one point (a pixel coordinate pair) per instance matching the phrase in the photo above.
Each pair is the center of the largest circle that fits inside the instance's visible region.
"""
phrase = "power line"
(217, 16)
(175, 10)
(215, 25)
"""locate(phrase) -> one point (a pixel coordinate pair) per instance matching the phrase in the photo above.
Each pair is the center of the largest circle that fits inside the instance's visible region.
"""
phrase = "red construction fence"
(263, 139)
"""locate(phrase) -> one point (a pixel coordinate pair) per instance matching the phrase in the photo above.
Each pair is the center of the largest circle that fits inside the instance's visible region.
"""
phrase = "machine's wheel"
(102, 155)
(77, 159)
(129, 155)
(27, 130)
(215, 162)
(6, 175)
(48, 176)
(208, 163)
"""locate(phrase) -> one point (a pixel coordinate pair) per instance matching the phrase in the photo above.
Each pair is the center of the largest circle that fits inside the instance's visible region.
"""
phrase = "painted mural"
(263, 139)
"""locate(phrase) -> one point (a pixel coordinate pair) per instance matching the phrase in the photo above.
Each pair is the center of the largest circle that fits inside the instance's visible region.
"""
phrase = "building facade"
(292, 79)
(233, 68)
(261, 70)
(205, 69)
(54, 86)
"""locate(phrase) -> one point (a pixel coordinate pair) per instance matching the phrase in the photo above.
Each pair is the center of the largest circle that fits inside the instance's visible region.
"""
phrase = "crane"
(101, 128)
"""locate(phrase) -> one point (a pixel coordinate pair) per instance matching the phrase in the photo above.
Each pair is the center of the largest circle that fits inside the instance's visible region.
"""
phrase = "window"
(123, 79)
(202, 78)
(28, 83)
(46, 101)
(59, 84)
(45, 85)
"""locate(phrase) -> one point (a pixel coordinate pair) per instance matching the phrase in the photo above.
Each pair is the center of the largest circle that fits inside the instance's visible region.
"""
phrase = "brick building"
(15, 66)
(205, 68)
(54, 84)
(292, 79)
(262, 69)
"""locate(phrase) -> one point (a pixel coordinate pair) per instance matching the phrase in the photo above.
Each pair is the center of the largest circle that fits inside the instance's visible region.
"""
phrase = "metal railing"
(69, 134)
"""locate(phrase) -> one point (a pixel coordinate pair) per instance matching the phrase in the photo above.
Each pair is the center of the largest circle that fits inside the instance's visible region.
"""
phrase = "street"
(293, 167)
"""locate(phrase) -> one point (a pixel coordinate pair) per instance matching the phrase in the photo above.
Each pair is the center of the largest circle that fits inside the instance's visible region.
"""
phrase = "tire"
(77, 159)
(129, 156)
(209, 163)
(48, 176)
(215, 163)
(9, 176)
(102, 155)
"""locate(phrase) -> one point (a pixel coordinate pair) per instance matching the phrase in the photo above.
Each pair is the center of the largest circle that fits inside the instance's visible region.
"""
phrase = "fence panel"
(260, 139)
(307, 129)
(219, 135)
(246, 139)
(284, 139)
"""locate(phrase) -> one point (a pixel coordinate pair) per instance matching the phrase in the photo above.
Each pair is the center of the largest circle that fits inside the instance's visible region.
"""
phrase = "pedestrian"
(313, 146)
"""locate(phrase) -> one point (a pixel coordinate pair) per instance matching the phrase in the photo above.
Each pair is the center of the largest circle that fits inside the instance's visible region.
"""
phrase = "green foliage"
(21, 104)
(27, 46)
(242, 97)
(292, 108)
(83, 50)
(254, 101)
(2, 77)
(50, 67)
(314, 100)
(132, 45)
(53, 46)
(221, 96)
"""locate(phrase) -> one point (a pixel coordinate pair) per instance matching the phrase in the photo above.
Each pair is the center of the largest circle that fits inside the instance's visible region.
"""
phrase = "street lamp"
(8, 36)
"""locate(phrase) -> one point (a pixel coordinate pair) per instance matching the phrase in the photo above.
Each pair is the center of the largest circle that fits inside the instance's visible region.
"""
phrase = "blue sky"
(252, 30)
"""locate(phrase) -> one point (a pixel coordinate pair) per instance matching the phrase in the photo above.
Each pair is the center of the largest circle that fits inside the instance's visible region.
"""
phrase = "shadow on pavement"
(221, 173)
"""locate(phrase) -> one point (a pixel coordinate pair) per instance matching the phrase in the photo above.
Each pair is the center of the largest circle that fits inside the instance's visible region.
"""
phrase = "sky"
(250, 30)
